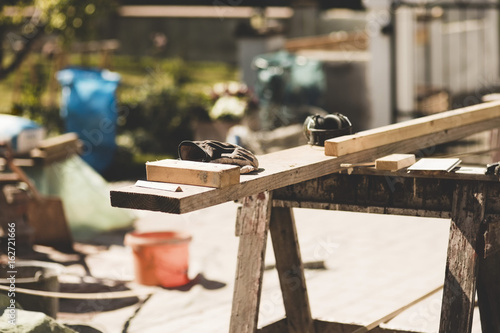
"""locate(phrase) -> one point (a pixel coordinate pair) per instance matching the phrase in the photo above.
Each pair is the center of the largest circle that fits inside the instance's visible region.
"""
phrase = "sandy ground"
(374, 265)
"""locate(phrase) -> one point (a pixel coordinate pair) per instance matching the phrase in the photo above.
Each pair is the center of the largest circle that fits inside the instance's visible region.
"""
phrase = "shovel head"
(46, 216)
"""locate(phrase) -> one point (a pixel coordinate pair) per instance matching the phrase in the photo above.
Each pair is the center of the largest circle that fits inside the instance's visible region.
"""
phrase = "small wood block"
(57, 148)
(193, 173)
(394, 162)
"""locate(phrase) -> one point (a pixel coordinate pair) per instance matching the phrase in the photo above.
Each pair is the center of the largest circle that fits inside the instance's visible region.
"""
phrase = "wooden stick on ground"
(393, 314)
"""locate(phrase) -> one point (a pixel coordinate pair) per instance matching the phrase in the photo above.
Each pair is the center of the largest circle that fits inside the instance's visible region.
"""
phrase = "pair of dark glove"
(218, 152)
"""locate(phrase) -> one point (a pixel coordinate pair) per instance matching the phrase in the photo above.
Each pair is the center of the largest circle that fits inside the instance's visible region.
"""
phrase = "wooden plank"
(290, 271)
(372, 193)
(46, 216)
(253, 227)
(193, 173)
(322, 326)
(332, 327)
(394, 162)
(340, 42)
(280, 169)
(392, 315)
(9, 178)
(56, 148)
(464, 251)
(412, 129)
(363, 209)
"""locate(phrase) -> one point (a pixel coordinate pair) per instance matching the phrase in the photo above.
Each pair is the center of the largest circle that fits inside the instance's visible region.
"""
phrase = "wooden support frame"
(464, 251)
(287, 167)
(305, 177)
(290, 271)
(252, 227)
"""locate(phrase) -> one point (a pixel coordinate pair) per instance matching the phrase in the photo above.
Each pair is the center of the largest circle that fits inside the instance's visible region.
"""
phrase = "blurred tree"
(22, 22)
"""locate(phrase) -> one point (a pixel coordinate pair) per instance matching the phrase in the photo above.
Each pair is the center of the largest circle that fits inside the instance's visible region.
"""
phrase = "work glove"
(218, 152)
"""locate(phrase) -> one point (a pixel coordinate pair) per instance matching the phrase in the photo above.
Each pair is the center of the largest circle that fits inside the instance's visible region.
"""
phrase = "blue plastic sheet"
(22, 134)
(88, 107)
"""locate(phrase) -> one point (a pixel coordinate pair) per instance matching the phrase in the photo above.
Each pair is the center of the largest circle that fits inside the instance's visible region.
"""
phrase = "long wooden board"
(280, 169)
(411, 129)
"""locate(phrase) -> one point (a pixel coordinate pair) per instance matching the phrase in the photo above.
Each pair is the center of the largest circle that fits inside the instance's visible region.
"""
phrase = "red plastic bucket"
(160, 258)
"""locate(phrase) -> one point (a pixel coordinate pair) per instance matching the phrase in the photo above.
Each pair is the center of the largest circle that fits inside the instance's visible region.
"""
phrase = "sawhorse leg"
(253, 222)
(290, 271)
(488, 285)
(464, 251)
(252, 226)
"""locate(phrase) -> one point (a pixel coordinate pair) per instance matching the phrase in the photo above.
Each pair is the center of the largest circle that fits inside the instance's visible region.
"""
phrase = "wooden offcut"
(412, 129)
(46, 215)
(56, 148)
(394, 162)
(193, 173)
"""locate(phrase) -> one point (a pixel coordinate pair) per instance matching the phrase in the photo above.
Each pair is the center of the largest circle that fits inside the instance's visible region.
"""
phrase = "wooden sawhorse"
(473, 261)
(308, 177)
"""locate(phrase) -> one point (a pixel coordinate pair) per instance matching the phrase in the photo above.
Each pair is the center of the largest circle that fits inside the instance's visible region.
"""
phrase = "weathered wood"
(396, 312)
(280, 169)
(371, 193)
(394, 162)
(340, 42)
(332, 327)
(461, 173)
(492, 239)
(290, 271)
(488, 293)
(464, 250)
(279, 326)
(46, 216)
(253, 227)
(193, 173)
(322, 326)
(9, 178)
(412, 129)
(56, 148)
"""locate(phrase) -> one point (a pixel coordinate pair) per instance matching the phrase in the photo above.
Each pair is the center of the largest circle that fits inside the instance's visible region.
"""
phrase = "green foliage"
(161, 120)
(33, 83)
(70, 18)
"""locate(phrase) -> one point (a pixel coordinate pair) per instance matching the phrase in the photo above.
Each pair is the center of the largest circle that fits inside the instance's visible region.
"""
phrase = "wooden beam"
(412, 129)
(322, 326)
(488, 292)
(464, 250)
(290, 271)
(56, 148)
(392, 315)
(253, 227)
(374, 194)
(492, 239)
